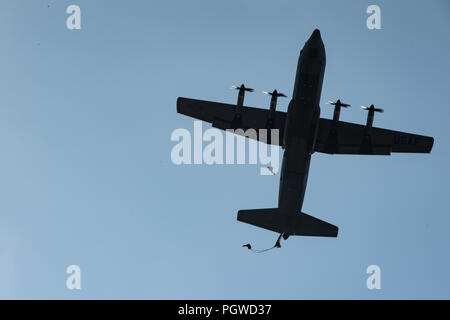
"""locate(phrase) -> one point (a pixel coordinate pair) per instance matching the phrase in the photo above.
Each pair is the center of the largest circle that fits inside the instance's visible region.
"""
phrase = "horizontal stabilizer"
(291, 225)
(263, 218)
(306, 225)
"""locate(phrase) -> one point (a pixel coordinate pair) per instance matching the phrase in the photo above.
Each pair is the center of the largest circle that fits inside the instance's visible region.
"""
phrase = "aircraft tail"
(291, 225)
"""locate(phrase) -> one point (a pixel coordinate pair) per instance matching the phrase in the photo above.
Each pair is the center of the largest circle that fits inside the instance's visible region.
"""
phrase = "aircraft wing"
(223, 116)
(350, 138)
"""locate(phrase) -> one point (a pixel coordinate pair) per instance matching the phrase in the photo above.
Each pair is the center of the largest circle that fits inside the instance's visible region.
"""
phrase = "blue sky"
(85, 171)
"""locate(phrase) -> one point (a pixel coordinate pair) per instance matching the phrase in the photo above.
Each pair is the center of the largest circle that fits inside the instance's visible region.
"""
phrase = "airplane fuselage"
(301, 126)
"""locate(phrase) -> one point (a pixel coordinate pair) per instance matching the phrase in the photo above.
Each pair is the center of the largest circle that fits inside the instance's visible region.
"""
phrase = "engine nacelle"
(273, 106)
(241, 94)
(371, 115)
(337, 109)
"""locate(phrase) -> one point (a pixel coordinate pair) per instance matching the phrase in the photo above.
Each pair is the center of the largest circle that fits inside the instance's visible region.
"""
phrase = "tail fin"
(295, 225)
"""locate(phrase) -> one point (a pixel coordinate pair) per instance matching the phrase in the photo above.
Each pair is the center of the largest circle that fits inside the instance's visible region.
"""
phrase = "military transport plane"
(303, 132)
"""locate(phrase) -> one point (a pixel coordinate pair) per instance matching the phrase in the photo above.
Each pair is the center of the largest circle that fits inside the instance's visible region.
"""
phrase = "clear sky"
(85, 171)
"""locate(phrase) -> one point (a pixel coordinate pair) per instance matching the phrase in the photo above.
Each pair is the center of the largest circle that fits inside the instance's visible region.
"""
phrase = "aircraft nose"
(314, 47)
(315, 37)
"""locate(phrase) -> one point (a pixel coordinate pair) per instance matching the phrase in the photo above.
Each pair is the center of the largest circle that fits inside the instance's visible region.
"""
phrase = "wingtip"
(179, 100)
(431, 144)
(337, 232)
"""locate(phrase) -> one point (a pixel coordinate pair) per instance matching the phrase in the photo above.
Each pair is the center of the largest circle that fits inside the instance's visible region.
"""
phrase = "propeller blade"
(239, 88)
(278, 94)
(341, 104)
(378, 110)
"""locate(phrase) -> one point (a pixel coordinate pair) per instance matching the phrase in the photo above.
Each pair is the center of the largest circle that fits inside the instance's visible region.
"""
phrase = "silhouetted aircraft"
(303, 132)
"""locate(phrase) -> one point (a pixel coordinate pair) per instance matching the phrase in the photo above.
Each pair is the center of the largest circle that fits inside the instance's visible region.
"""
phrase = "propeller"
(240, 100)
(338, 103)
(337, 108)
(242, 87)
(372, 107)
(275, 93)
